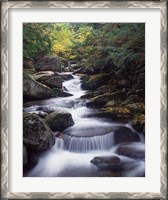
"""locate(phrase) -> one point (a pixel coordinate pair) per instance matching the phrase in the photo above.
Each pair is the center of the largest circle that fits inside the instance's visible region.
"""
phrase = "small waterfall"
(59, 145)
(73, 86)
(86, 144)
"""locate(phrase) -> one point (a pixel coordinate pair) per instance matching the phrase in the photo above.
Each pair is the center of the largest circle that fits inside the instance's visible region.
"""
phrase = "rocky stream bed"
(82, 123)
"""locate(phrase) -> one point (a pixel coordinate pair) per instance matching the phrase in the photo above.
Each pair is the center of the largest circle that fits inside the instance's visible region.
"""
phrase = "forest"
(84, 94)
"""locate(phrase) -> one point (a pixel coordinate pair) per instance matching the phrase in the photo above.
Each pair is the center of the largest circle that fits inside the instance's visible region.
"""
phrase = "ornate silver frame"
(162, 5)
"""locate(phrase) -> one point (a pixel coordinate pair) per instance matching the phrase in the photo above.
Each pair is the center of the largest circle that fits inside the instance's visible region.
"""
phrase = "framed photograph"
(84, 100)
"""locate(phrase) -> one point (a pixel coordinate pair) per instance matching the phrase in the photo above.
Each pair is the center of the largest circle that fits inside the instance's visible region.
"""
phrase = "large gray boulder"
(55, 81)
(50, 63)
(59, 120)
(35, 90)
(125, 134)
(49, 79)
(135, 151)
(37, 135)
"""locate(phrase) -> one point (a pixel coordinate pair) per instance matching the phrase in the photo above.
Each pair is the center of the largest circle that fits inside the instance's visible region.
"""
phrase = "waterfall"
(86, 144)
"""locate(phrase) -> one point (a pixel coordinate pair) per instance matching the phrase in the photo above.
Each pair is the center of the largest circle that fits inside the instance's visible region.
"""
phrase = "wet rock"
(49, 64)
(37, 135)
(58, 92)
(107, 115)
(59, 120)
(55, 81)
(87, 96)
(35, 90)
(67, 77)
(90, 95)
(125, 134)
(112, 163)
(131, 151)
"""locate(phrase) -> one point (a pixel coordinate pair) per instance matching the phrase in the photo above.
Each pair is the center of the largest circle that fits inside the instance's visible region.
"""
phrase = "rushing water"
(87, 138)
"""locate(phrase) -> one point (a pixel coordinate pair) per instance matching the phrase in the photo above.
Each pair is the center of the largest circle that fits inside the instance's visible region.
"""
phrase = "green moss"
(136, 108)
(117, 110)
(139, 117)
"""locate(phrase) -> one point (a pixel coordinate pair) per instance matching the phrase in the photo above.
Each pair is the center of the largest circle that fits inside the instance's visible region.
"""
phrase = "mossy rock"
(102, 100)
(59, 120)
(95, 81)
(132, 112)
(37, 135)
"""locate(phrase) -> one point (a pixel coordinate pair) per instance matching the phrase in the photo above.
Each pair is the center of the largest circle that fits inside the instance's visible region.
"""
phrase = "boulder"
(125, 134)
(43, 75)
(49, 64)
(66, 77)
(60, 93)
(113, 163)
(95, 81)
(39, 113)
(101, 100)
(37, 135)
(35, 90)
(131, 151)
(59, 120)
(115, 166)
(115, 113)
(133, 113)
(55, 81)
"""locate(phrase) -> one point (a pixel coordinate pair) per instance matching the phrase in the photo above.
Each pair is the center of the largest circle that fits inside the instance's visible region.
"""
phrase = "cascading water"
(86, 144)
(87, 138)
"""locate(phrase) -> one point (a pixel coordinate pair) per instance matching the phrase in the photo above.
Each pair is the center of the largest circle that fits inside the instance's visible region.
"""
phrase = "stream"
(87, 138)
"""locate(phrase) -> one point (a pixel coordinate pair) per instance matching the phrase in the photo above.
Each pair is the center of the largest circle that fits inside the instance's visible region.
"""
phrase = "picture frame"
(5, 93)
